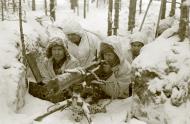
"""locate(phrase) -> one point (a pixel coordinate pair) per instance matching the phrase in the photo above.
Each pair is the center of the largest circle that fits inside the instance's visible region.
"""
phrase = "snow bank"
(12, 82)
(169, 59)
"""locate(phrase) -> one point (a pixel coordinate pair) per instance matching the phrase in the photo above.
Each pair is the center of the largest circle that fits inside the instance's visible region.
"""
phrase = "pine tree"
(116, 18)
(173, 7)
(132, 12)
(163, 9)
(183, 21)
(52, 9)
(110, 9)
(33, 5)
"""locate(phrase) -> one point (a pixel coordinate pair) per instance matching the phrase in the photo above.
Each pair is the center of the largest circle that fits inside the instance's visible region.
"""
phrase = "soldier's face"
(136, 47)
(75, 38)
(111, 58)
(58, 53)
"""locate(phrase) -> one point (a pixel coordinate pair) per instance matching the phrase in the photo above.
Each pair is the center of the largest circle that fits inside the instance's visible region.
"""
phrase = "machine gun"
(71, 77)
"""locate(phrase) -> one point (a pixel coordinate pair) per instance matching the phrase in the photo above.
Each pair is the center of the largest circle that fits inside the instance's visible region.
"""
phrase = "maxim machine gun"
(74, 85)
(72, 80)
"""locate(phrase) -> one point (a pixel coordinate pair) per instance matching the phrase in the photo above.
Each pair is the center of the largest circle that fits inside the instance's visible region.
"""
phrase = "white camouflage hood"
(56, 41)
(140, 37)
(115, 43)
(70, 26)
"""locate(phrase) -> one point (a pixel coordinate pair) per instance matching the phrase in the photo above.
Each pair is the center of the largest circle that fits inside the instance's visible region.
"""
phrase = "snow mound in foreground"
(164, 64)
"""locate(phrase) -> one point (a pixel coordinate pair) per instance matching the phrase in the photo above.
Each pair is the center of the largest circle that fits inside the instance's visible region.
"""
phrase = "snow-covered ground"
(18, 107)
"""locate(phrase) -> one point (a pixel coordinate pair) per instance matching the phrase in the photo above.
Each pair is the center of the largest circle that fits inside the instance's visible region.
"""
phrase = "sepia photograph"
(94, 61)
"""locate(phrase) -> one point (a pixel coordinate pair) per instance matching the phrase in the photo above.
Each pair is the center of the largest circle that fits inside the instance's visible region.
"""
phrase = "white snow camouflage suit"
(85, 52)
(46, 65)
(118, 86)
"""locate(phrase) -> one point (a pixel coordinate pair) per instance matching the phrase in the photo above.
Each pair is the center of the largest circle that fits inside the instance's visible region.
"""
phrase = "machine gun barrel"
(40, 118)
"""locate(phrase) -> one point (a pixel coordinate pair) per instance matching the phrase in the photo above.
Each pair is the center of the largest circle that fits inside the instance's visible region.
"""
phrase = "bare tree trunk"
(52, 9)
(84, 9)
(116, 19)
(188, 26)
(5, 4)
(33, 5)
(183, 21)
(97, 3)
(14, 6)
(21, 32)
(71, 3)
(159, 17)
(163, 9)
(87, 5)
(74, 4)
(132, 12)
(2, 10)
(110, 9)
(45, 7)
(78, 10)
(120, 3)
(140, 6)
(173, 7)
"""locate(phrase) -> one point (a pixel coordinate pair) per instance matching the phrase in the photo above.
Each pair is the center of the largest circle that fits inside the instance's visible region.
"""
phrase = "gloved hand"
(41, 83)
(53, 85)
(94, 64)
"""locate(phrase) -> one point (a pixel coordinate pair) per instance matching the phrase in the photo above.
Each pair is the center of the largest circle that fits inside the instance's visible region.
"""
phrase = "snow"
(18, 107)
(167, 53)
(187, 3)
